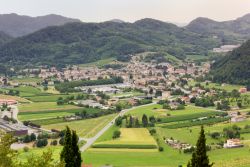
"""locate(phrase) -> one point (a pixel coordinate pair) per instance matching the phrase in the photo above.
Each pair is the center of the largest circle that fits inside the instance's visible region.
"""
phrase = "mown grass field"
(84, 128)
(44, 106)
(131, 138)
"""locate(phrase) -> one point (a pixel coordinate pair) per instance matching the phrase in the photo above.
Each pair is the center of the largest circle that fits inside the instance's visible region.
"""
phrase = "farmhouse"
(233, 143)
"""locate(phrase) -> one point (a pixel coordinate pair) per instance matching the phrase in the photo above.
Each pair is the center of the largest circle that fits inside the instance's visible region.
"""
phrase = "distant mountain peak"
(20, 25)
(117, 21)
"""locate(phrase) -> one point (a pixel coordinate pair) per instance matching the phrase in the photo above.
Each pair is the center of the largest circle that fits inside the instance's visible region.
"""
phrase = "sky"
(177, 11)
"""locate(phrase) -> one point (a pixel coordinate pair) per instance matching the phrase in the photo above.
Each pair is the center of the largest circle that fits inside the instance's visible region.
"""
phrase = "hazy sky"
(181, 11)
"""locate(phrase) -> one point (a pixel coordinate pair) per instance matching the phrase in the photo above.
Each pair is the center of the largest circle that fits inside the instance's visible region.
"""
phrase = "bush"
(26, 139)
(61, 141)
(161, 149)
(32, 137)
(152, 131)
(116, 134)
(53, 143)
(26, 149)
(42, 142)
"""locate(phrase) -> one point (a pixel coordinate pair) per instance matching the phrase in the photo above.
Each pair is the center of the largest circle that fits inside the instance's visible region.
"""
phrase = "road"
(91, 141)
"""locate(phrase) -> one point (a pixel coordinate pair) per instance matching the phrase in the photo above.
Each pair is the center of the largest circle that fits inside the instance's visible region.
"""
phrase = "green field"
(44, 106)
(98, 63)
(26, 80)
(46, 98)
(22, 116)
(156, 110)
(227, 87)
(84, 128)
(131, 138)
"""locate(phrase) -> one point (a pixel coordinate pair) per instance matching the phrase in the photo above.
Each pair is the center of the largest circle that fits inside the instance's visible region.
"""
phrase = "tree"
(32, 137)
(70, 154)
(46, 160)
(199, 157)
(7, 155)
(67, 152)
(77, 155)
(144, 120)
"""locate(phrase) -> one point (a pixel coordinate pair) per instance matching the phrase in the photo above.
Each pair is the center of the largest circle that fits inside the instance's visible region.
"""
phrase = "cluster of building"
(177, 144)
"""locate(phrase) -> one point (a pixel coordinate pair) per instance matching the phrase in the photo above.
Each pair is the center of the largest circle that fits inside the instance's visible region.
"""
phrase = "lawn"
(131, 138)
(84, 128)
(44, 106)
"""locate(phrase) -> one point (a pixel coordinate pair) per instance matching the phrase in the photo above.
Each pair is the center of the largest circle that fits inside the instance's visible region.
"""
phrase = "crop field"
(26, 80)
(44, 106)
(131, 138)
(84, 128)
(46, 98)
(47, 114)
(19, 99)
(156, 110)
(227, 87)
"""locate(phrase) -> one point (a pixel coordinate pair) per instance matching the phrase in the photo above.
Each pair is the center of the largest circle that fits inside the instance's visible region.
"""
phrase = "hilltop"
(235, 67)
(77, 43)
(229, 32)
(17, 25)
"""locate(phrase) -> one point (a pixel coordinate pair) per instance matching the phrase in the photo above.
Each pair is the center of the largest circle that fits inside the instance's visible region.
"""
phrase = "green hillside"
(235, 67)
(79, 43)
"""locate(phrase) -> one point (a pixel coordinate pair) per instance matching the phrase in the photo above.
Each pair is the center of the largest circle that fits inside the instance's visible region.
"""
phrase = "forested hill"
(235, 67)
(4, 38)
(17, 25)
(229, 32)
(77, 43)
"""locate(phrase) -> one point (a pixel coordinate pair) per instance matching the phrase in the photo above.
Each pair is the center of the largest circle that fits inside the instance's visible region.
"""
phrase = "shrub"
(116, 134)
(26, 149)
(161, 149)
(53, 143)
(152, 131)
(61, 141)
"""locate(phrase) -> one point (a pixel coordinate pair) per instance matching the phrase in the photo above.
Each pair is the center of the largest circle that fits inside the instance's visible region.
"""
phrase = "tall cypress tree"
(67, 152)
(199, 157)
(144, 120)
(77, 155)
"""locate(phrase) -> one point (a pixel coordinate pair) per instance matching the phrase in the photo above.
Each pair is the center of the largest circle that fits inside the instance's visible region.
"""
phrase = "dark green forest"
(235, 67)
(78, 43)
